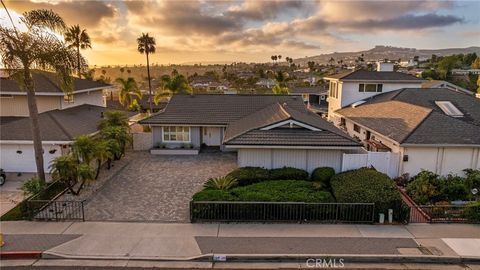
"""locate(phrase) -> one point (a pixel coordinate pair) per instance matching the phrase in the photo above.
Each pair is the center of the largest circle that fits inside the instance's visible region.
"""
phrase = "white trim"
(293, 147)
(169, 141)
(291, 122)
(57, 94)
(31, 142)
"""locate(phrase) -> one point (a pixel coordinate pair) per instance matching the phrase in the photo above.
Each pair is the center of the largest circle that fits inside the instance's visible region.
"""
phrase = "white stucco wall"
(11, 161)
(93, 98)
(17, 105)
(441, 160)
(302, 158)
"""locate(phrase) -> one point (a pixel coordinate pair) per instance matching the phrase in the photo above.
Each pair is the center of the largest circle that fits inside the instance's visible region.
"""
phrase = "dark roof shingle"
(365, 75)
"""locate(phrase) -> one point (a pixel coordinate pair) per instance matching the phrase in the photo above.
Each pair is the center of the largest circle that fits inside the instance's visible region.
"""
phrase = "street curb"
(246, 258)
(17, 255)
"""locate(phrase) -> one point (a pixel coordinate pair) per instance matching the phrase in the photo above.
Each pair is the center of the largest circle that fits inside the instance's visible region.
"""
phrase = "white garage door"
(303, 159)
(21, 157)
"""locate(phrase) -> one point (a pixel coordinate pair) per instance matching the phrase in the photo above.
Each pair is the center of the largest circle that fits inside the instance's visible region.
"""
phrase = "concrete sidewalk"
(154, 241)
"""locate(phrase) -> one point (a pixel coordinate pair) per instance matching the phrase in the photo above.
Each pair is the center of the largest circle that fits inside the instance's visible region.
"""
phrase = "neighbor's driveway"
(156, 188)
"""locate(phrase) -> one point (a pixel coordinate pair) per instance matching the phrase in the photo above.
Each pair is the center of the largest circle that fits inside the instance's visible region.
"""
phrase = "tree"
(478, 84)
(77, 39)
(83, 149)
(103, 152)
(279, 57)
(280, 90)
(37, 47)
(68, 170)
(129, 92)
(311, 65)
(113, 118)
(175, 84)
(476, 63)
(146, 45)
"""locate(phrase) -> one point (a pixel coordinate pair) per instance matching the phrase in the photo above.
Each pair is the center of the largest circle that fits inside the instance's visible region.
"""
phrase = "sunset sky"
(250, 31)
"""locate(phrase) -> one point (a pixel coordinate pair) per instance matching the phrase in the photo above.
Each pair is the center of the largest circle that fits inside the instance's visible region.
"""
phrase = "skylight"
(449, 109)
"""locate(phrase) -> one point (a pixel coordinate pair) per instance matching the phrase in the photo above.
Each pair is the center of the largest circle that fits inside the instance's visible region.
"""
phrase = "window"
(176, 134)
(356, 128)
(68, 98)
(342, 122)
(370, 87)
(449, 109)
(334, 89)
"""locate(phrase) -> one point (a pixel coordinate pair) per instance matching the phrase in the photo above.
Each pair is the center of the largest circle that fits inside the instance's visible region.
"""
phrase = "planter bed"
(176, 151)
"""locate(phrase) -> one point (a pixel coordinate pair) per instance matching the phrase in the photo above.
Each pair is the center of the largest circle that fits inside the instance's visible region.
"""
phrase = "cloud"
(85, 13)
(406, 22)
(264, 10)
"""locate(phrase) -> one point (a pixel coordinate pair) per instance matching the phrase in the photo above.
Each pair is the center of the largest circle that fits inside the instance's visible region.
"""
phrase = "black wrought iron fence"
(282, 212)
(55, 210)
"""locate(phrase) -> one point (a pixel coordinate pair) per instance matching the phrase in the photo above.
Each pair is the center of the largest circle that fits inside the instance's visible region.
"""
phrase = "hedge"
(249, 175)
(323, 175)
(472, 212)
(288, 173)
(269, 191)
(365, 185)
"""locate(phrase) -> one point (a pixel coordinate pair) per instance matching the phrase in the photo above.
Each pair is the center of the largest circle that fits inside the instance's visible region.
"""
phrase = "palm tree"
(102, 153)
(175, 84)
(279, 57)
(280, 90)
(37, 47)
(83, 149)
(113, 118)
(129, 92)
(146, 45)
(77, 39)
(68, 170)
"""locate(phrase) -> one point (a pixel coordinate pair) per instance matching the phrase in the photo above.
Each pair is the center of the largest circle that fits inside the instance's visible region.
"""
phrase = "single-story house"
(49, 95)
(58, 130)
(435, 129)
(266, 130)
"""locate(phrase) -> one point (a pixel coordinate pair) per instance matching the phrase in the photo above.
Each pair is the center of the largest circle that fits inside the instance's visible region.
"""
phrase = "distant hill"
(381, 52)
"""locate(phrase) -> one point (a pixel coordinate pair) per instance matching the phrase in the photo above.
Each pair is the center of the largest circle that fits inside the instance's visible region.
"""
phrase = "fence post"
(56, 212)
(373, 213)
(83, 212)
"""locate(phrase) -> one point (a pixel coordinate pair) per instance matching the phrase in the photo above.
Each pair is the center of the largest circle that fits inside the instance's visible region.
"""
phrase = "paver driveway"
(156, 188)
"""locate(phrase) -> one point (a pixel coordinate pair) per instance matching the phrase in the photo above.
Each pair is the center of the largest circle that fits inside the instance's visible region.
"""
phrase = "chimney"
(384, 66)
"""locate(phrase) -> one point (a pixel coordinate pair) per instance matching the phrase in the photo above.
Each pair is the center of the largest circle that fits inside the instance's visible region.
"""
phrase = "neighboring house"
(58, 129)
(444, 84)
(201, 82)
(266, 130)
(347, 88)
(315, 97)
(435, 129)
(267, 83)
(49, 95)
(466, 71)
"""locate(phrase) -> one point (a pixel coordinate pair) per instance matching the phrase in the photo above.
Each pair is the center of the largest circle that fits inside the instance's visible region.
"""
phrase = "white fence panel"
(385, 162)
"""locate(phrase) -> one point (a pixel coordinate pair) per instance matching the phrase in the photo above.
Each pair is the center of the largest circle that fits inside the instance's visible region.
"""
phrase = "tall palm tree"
(129, 92)
(77, 39)
(37, 47)
(146, 45)
(175, 84)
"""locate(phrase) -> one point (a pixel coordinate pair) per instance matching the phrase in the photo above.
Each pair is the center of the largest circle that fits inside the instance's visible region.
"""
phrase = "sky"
(191, 31)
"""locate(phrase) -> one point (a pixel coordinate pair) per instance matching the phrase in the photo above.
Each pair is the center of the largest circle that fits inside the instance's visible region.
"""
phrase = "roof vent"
(449, 109)
(284, 104)
(358, 103)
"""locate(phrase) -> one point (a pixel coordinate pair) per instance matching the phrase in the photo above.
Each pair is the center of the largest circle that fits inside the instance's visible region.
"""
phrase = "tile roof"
(212, 109)
(365, 75)
(411, 116)
(45, 82)
(319, 90)
(56, 125)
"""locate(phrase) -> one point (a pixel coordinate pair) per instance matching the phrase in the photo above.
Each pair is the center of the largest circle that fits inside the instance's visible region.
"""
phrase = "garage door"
(21, 157)
(302, 159)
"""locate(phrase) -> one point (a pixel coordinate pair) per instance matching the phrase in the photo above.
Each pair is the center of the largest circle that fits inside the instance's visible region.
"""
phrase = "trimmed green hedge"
(288, 173)
(365, 185)
(269, 191)
(249, 175)
(472, 212)
(323, 175)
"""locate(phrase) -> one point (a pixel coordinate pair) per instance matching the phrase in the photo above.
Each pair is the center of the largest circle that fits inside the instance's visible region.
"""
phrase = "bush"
(423, 188)
(323, 175)
(288, 173)
(472, 212)
(282, 191)
(221, 183)
(249, 175)
(365, 186)
(452, 188)
(33, 186)
(213, 195)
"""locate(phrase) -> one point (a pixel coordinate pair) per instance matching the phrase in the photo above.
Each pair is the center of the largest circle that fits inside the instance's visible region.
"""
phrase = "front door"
(211, 136)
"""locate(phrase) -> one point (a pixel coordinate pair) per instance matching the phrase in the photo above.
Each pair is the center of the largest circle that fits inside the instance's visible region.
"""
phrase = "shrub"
(323, 175)
(472, 212)
(221, 183)
(472, 181)
(402, 180)
(33, 186)
(249, 175)
(213, 195)
(365, 186)
(423, 188)
(288, 173)
(453, 188)
(282, 191)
